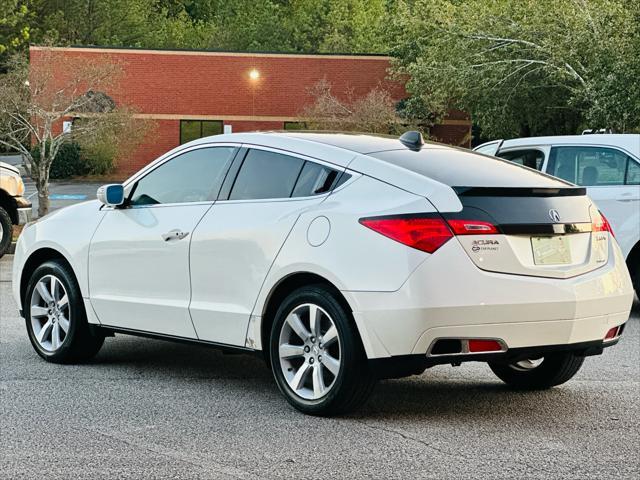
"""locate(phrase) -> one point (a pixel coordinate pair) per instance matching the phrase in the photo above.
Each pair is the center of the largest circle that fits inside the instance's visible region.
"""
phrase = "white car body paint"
(214, 283)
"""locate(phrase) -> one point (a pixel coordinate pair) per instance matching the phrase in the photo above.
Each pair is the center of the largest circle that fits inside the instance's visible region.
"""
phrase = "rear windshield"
(459, 168)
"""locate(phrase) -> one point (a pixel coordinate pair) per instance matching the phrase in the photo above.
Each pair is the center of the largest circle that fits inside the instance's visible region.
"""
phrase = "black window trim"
(201, 120)
(229, 183)
(132, 182)
(630, 158)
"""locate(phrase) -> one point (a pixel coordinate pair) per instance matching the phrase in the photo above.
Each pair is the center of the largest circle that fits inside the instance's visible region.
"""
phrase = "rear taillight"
(426, 233)
(472, 227)
(601, 224)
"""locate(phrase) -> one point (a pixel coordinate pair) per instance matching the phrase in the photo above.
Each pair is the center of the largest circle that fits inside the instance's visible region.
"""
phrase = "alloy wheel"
(527, 364)
(50, 313)
(310, 351)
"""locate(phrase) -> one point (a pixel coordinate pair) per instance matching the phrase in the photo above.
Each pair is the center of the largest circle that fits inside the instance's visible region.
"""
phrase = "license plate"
(551, 250)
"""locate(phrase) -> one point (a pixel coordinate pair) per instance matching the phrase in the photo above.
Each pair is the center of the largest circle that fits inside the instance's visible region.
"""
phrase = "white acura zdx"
(342, 258)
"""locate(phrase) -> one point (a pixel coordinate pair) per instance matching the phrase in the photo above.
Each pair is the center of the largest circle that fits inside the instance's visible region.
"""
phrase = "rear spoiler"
(519, 192)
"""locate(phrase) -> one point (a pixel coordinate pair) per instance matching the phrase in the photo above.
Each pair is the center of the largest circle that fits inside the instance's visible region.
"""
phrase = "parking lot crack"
(205, 464)
(411, 439)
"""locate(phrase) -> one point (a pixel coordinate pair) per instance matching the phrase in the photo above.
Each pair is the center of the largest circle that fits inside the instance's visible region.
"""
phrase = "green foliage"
(258, 25)
(14, 30)
(522, 67)
(73, 160)
(67, 163)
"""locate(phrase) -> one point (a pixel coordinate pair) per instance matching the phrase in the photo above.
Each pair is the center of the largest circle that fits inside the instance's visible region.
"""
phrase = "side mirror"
(111, 195)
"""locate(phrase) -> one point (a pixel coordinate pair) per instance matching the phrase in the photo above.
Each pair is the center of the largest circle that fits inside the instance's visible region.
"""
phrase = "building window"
(295, 125)
(194, 129)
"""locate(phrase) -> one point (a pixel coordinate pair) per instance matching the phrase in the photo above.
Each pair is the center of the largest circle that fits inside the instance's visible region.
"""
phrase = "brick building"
(190, 94)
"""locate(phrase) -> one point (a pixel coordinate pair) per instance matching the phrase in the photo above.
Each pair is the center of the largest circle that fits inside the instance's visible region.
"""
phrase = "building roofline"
(221, 53)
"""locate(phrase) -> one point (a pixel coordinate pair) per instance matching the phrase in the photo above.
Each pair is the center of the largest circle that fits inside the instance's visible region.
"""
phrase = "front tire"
(55, 316)
(539, 374)
(6, 231)
(317, 357)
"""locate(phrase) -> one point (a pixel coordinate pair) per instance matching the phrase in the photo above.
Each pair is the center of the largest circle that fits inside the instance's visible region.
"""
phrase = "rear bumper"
(447, 296)
(405, 365)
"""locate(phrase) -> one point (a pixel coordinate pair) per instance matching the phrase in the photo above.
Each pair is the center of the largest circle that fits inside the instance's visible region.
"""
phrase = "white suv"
(607, 165)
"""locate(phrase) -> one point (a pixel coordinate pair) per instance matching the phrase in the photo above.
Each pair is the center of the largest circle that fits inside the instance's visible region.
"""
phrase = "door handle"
(627, 197)
(174, 234)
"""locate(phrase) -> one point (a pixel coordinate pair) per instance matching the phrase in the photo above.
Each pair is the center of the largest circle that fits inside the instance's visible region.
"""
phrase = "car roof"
(629, 142)
(359, 142)
(363, 143)
(385, 157)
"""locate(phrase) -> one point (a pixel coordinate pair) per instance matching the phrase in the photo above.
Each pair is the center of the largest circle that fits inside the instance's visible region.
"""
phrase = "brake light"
(472, 227)
(422, 233)
(602, 225)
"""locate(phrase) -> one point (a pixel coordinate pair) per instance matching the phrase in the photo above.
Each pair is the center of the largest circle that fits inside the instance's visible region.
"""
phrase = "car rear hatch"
(513, 219)
(543, 232)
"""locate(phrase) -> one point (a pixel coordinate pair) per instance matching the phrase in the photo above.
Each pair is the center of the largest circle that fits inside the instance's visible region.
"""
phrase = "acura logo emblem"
(554, 215)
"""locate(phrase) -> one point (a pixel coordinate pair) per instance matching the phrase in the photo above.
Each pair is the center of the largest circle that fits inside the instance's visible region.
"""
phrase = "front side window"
(529, 158)
(266, 175)
(194, 129)
(194, 176)
(589, 166)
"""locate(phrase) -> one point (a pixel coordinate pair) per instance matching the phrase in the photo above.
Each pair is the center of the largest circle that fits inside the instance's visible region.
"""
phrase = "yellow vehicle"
(14, 208)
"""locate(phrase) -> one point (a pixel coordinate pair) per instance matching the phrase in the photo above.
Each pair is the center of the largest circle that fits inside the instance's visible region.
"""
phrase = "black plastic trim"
(173, 338)
(519, 192)
(546, 228)
(403, 365)
(232, 173)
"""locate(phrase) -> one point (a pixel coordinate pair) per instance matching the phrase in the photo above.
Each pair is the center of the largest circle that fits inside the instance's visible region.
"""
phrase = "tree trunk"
(43, 197)
(42, 185)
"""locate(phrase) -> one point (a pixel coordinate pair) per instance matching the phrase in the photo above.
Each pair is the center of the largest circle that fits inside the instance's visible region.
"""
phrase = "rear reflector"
(423, 233)
(476, 346)
(611, 334)
(472, 227)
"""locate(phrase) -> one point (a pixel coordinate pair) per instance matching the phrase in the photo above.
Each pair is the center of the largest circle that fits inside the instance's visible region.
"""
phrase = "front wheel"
(55, 316)
(539, 373)
(317, 358)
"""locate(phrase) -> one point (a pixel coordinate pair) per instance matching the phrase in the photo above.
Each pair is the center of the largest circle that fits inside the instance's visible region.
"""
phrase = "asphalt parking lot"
(62, 194)
(152, 409)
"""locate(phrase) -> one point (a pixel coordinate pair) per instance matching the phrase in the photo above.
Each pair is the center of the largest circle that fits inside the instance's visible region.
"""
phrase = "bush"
(74, 161)
(99, 156)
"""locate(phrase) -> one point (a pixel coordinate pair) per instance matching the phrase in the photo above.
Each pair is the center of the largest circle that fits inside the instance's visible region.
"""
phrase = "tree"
(34, 104)
(14, 30)
(374, 113)
(522, 67)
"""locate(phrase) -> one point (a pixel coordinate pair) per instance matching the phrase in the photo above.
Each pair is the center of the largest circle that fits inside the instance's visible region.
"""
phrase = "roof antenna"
(412, 140)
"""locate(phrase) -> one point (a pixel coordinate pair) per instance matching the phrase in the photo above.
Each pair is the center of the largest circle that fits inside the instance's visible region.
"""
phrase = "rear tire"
(55, 316)
(6, 231)
(555, 369)
(338, 383)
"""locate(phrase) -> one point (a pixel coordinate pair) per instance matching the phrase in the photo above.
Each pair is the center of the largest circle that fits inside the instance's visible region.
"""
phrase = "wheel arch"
(37, 258)
(279, 292)
(9, 204)
(633, 259)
